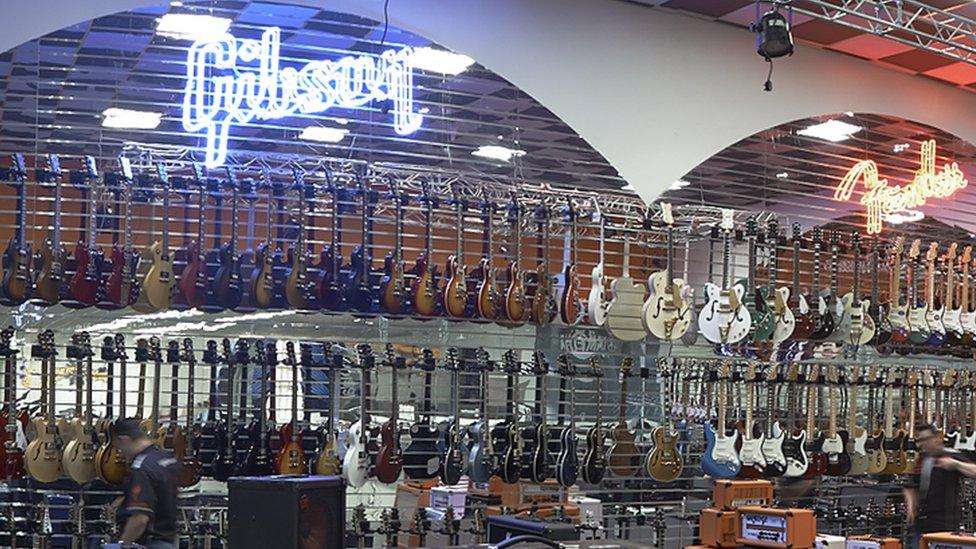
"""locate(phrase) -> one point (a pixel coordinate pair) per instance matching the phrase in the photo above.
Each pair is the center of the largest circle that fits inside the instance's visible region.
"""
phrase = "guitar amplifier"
(948, 540)
(830, 541)
(730, 494)
(877, 542)
(504, 526)
(306, 512)
(718, 527)
(777, 528)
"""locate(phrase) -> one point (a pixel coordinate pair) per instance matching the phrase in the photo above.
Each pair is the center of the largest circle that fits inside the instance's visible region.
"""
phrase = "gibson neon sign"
(882, 199)
(230, 82)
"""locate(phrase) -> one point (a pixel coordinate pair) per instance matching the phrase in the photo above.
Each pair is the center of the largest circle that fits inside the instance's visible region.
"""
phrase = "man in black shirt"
(932, 496)
(148, 509)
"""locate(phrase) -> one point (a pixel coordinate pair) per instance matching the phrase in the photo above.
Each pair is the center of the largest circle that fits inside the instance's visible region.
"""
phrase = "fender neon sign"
(230, 82)
(882, 199)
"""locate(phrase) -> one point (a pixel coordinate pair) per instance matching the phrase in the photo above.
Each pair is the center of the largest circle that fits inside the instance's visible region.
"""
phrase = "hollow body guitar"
(666, 314)
(725, 318)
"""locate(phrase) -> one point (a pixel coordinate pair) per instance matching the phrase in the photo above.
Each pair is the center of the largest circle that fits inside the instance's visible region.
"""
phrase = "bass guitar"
(720, 460)
(623, 458)
(51, 257)
(665, 314)
(389, 459)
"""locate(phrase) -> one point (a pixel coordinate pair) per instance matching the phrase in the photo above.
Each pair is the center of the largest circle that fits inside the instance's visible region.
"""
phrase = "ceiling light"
(834, 131)
(129, 119)
(191, 26)
(782, 175)
(496, 152)
(678, 185)
(901, 147)
(441, 61)
(423, 110)
(325, 135)
(907, 216)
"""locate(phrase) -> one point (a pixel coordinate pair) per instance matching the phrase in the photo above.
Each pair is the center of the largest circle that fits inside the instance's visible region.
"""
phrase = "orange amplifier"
(718, 527)
(777, 528)
(729, 494)
(948, 540)
(875, 542)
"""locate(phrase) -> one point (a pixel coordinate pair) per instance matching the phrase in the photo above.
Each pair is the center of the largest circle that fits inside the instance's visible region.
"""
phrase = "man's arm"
(911, 503)
(964, 468)
(134, 527)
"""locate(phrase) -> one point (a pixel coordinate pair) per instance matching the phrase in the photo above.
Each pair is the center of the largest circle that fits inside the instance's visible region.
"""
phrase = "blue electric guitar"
(720, 459)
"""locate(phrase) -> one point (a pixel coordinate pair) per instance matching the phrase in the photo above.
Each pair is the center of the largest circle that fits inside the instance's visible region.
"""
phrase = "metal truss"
(909, 22)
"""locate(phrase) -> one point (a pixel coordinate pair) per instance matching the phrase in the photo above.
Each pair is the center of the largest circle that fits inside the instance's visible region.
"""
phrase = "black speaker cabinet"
(286, 512)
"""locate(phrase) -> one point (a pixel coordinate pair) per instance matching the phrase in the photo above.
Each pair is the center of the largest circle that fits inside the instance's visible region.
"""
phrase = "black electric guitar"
(228, 285)
(454, 464)
(567, 460)
(224, 461)
(823, 321)
(213, 430)
(537, 464)
(16, 283)
(257, 461)
(508, 433)
(421, 459)
(594, 464)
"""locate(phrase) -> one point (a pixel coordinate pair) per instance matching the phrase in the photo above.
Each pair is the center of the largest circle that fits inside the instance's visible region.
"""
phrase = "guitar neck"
(174, 392)
(89, 412)
(726, 257)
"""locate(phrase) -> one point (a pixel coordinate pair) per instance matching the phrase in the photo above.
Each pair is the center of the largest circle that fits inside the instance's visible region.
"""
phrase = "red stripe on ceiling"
(712, 8)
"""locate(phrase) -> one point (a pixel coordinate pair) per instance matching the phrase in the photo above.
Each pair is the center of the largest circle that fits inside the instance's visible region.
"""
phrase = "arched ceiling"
(656, 93)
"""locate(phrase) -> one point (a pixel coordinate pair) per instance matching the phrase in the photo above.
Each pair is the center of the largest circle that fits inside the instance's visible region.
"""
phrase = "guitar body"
(720, 460)
(487, 291)
(157, 285)
(515, 297)
(624, 311)
(894, 450)
(664, 463)
(882, 326)
(356, 464)
(421, 459)
(856, 325)
(452, 468)
(194, 294)
(898, 319)
(227, 284)
(296, 280)
(256, 462)
(392, 286)
(567, 460)
(596, 300)
(388, 461)
(772, 451)
(661, 316)
(510, 466)
(918, 324)
(804, 321)
(718, 322)
(327, 462)
(480, 467)
(455, 289)
(50, 273)
(84, 289)
(42, 459)
(838, 460)
(857, 452)
(937, 331)
(763, 319)
(358, 293)
(425, 295)
(117, 278)
(569, 305)
(262, 277)
(594, 465)
(783, 317)
(823, 320)
(110, 465)
(542, 308)
(78, 459)
(795, 450)
(291, 457)
(11, 456)
(16, 280)
(877, 459)
(752, 458)
(624, 458)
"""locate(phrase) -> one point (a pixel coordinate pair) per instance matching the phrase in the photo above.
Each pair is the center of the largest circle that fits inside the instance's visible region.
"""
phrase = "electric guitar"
(389, 459)
(665, 314)
(357, 463)
(623, 458)
(16, 283)
(486, 286)
(156, 276)
(917, 319)
(122, 286)
(213, 432)
(877, 460)
(224, 462)
(763, 321)
(51, 257)
(751, 452)
(804, 323)
(856, 446)
(567, 281)
(898, 311)
(624, 310)
(297, 287)
(191, 469)
(455, 291)
(724, 318)
(327, 462)
(481, 456)
(664, 462)
(795, 440)
(778, 299)
(934, 308)
(453, 463)
(193, 280)
(567, 460)
(510, 464)
(836, 442)
(772, 445)
(817, 459)
(256, 459)
(228, 285)
(823, 320)
(515, 296)
(542, 308)
(11, 453)
(967, 316)
(720, 460)
(594, 463)
(596, 301)
(266, 257)
(856, 326)
(877, 310)
(83, 286)
(291, 457)
(831, 305)
(392, 284)
(425, 293)
(952, 316)
(421, 459)
(78, 459)
(42, 458)
(911, 450)
(894, 444)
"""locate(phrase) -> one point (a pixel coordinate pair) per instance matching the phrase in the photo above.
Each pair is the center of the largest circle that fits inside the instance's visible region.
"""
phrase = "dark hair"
(129, 427)
(927, 427)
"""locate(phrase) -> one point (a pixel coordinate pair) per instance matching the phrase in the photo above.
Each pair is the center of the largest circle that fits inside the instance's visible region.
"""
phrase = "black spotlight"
(773, 35)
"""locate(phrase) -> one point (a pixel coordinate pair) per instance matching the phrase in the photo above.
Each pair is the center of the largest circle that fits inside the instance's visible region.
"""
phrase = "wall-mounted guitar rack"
(679, 392)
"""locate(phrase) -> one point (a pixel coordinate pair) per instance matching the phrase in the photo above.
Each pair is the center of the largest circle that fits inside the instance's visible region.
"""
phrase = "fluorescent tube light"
(130, 119)
(834, 131)
(323, 134)
(496, 152)
(782, 175)
(191, 26)
(908, 216)
(678, 185)
(441, 61)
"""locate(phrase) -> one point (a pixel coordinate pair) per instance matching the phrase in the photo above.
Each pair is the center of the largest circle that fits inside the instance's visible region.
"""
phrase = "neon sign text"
(232, 82)
(882, 199)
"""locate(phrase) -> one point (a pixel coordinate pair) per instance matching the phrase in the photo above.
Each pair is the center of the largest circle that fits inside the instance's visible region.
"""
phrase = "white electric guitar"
(952, 317)
(596, 301)
(779, 303)
(357, 463)
(725, 319)
(967, 317)
(856, 325)
(751, 453)
(666, 314)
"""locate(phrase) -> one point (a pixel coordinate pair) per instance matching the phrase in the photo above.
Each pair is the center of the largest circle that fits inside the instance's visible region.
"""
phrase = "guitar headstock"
(772, 372)
(155, 349)
(242, 353)
(666, 213)
(119, 351)
(211, 354)
(751, 227)
(364, 354)
(793, 372)
(772, 231)
(187, 355)
(563, 366)
(817, 237)
(227, 352)
(510, 362)
(626, 367)
(834, 240)
(728, 220)
(53, 173)
(125, 166)
(962, 379)
(6, 337)
(750, 374)
(832, 375)
(173, 352)
(231, 181)
(452, 361)
(540, 366)
(596, 214)
(797, 236)
(595, 370)
(967, 255)
(856, 241)
(952, 251)
(428, 362)
(390, 357)
(813, 373)
(854, 375)
(948, 378)
(926, 378)
(912, 377)
(107, 353)
(290, 358)
(198, 176)
(933, 253)
(915, 249)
